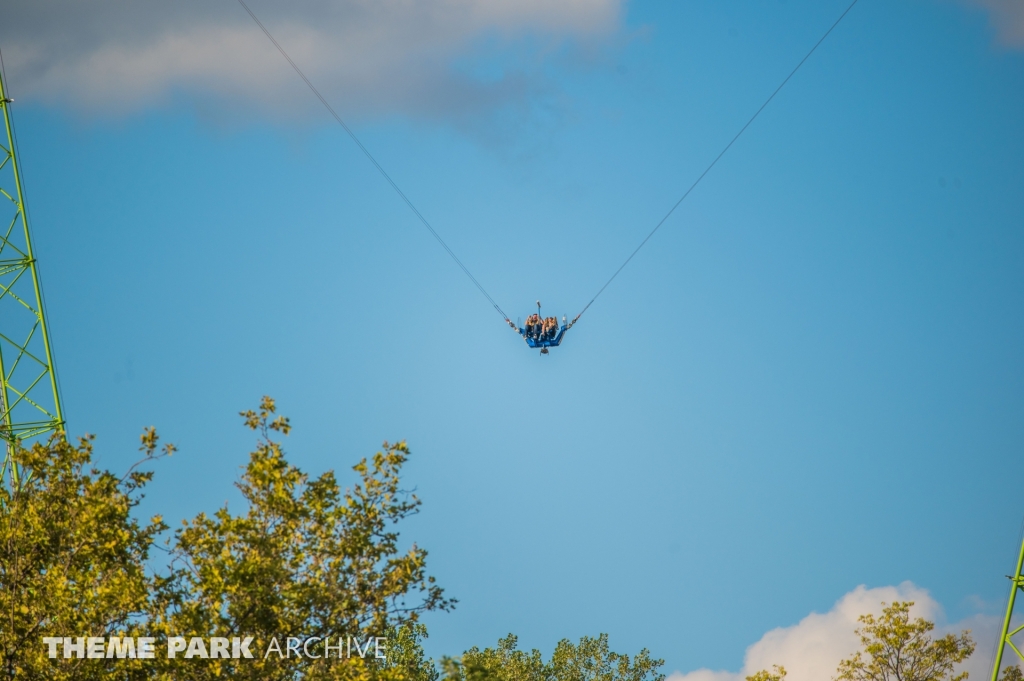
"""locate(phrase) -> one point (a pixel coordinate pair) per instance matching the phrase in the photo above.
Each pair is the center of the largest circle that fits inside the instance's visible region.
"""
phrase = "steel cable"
(712, 164)
(377, 165)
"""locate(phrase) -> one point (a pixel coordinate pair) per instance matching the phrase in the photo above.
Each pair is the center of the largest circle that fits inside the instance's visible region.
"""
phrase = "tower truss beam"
(1005, 637)
(29, 398)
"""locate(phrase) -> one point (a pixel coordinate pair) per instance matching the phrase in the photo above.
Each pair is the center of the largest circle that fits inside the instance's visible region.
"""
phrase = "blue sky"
(809, 380)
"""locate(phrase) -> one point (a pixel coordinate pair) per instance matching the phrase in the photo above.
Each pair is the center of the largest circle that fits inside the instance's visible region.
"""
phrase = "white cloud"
(370, 56)
(811, 649)
(1007, 18)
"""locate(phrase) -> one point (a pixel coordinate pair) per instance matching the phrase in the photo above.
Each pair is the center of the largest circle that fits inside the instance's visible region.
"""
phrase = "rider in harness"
(544, 332)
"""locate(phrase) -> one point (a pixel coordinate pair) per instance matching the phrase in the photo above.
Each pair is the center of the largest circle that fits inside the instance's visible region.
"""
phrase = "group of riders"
(541, 330)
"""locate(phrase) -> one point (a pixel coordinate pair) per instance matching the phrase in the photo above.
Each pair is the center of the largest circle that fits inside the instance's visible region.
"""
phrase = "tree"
(764, 675)
(406, 660)
(72, 557)
(896, 649)
(1012, 673)
(589, 660)
(303, 560)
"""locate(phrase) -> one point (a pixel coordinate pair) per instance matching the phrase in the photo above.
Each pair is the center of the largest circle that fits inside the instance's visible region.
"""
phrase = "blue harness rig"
(541, 333)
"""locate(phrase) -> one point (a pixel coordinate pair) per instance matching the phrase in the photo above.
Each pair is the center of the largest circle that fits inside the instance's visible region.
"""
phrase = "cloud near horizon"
(811, 649)
(371, 57)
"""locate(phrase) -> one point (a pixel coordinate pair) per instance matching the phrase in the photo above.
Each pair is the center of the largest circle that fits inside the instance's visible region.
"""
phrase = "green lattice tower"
(29, 400)
(1016, 584)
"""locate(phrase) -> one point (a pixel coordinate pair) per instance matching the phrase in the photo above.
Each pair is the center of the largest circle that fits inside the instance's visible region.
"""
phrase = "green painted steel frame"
(1016, 584)
(29, 397)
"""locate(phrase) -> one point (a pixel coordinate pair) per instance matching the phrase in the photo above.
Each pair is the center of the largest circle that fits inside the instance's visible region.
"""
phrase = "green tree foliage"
(72, 557)
(898, 649)
(304, 559)
(589, 660)
(778, 674)
(1012, 673)
(406, 660)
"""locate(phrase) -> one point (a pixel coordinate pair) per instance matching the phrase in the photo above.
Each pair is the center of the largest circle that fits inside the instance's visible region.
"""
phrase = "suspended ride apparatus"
(542, 332)
(538, 332)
